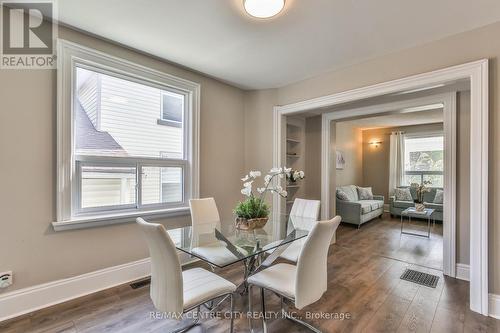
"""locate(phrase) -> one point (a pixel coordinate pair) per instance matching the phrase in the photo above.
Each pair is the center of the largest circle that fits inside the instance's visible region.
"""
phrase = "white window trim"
(68, 54)
(426, 134)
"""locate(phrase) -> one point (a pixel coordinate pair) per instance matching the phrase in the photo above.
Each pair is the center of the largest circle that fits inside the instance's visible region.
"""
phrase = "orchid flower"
(248, 184)
(247, 191)
(255, 174)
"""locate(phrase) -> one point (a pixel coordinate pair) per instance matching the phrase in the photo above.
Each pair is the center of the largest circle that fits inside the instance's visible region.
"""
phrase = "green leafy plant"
(252, 208)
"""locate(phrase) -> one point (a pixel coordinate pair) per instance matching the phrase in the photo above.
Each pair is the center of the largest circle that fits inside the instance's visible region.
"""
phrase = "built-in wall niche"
(295, 157)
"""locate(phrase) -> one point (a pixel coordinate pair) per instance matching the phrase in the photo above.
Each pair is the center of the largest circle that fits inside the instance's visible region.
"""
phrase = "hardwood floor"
(383, 236)
(364, 269)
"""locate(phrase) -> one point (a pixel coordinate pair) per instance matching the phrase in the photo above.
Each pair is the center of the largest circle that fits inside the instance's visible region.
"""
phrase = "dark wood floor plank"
(389, 316)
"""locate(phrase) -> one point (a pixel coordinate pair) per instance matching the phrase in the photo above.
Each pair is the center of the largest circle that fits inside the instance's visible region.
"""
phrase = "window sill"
(170, 123)
(83, 222)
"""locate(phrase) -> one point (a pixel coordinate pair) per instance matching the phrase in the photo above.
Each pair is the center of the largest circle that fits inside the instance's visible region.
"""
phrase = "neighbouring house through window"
(172, 109)
(125, 158)
(424, 160)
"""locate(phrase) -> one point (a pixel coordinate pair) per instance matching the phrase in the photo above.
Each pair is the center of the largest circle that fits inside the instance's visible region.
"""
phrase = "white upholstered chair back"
(311, 280)
(166, 274)
(303, 212)
(204, 211)
(305, 208)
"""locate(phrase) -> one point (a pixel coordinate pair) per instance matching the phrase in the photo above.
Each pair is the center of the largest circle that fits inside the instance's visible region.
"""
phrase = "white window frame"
(69, 214)
(423, 173)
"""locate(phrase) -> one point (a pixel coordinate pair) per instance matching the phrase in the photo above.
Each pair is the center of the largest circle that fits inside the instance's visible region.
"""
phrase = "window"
(172, 109)
(129, 137)
(424, 160)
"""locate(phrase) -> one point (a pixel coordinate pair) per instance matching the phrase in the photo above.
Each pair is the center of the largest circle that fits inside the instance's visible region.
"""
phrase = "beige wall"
(454, 50)
(28, 245)
(259, 147)
(348, 140)
(376, 159)
(313, 158)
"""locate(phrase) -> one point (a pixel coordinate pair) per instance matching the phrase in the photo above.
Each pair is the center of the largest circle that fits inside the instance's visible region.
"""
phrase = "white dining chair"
(176, 292)
(204, 211)
(303, 215)
(305, 208)
(304, 283)
(205, 218)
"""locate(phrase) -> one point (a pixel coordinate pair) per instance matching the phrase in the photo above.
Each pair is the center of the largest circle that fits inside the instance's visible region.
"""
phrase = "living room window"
(424, 159)
(132, 135)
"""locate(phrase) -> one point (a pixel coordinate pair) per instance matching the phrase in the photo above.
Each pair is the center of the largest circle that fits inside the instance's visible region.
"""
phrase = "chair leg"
(285, 315)
(232, 313)
(300, 322)
(191, 325)
(250, 313)
(264, 324)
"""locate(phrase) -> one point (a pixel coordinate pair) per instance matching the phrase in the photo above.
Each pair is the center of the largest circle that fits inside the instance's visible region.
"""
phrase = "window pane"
(108, 186)
(172, 107)
(410, 179)
(118, 117)
(424, 154)
(161, 185)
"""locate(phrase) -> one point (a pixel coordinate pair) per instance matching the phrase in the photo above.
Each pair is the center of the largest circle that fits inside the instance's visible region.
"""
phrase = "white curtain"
(396, 161)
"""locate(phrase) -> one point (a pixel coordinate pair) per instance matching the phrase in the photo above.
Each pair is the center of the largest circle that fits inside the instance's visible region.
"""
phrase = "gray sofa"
(396, 206)
(355, 211)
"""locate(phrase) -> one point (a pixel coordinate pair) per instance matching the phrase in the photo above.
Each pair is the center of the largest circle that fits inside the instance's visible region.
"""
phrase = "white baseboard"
(493, 299)
(463, 272)
(22, 301)
(494, 305)
(26, 300)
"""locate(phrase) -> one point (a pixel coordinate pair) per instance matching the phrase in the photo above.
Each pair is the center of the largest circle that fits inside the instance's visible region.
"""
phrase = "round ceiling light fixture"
(263, 8)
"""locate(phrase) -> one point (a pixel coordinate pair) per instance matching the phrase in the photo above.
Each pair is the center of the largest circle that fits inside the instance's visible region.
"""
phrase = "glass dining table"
(221, 244)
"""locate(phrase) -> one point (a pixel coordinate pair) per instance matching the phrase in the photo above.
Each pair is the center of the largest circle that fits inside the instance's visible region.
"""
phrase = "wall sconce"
(375, 143)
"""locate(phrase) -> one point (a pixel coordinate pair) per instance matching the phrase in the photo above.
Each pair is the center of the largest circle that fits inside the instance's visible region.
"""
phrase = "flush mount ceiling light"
(263, 8)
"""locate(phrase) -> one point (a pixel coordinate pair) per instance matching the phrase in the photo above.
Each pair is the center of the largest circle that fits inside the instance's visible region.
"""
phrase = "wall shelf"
(295, 157)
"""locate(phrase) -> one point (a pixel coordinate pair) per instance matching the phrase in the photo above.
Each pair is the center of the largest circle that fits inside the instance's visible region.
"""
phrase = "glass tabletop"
(222, 244)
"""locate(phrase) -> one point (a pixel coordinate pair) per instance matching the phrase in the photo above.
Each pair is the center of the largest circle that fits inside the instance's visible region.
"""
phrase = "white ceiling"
(398, 119)
(308, 38)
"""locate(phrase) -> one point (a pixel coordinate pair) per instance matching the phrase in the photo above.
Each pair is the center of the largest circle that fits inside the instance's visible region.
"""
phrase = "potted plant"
(420, 189)
(253, 212)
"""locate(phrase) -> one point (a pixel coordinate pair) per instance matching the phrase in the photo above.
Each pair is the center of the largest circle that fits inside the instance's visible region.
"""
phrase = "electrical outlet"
(5, 279)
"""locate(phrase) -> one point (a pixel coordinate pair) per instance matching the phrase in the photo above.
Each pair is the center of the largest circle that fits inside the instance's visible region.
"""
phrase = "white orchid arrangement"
(295, 175)
(268, 179)
(255, 207)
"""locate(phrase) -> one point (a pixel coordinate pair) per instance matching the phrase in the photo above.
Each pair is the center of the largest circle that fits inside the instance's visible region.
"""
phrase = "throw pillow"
(342, 195)
(403, 194)
(365, 193)
(438, 199)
